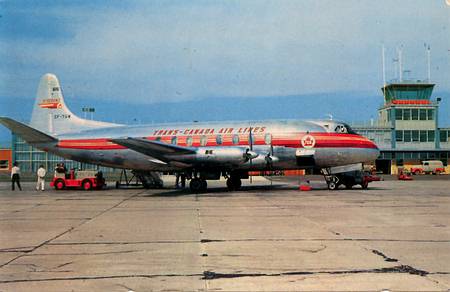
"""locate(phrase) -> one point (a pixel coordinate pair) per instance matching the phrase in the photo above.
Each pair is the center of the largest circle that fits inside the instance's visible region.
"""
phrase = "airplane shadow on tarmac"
(222, 191)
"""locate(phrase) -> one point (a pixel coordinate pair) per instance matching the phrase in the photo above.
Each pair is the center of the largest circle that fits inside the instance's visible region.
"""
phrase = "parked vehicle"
(84, 179)
(428, 167)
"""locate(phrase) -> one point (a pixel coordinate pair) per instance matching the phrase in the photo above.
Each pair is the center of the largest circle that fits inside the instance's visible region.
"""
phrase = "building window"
(423, 136)
(430, 114)
(407, 114)
(203, 140)
(407, 136)
(219, 139)
(422, 114)
(415, 135)
(399, 136)
(235, 139)
(189, 141)
(388, 115)
(414, 114)
(430, 136)
(443, 136)
(4, 164)
(398, 114)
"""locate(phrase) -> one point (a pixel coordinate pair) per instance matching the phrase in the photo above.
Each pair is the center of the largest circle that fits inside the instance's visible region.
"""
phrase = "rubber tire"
(60, 185)
(204, 185)
(332, 186)
(234, 183)
(86, 185)
(230, 185)
(196, 185)
(417, 172)
(438, 172)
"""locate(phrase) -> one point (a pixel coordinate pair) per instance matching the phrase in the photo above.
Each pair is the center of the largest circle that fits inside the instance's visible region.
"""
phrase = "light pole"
(88, 110)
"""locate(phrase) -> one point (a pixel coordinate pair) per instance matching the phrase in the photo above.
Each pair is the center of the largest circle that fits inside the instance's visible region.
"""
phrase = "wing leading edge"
(159, 150)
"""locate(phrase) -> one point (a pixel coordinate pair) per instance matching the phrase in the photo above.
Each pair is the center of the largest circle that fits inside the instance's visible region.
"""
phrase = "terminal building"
(407, 130)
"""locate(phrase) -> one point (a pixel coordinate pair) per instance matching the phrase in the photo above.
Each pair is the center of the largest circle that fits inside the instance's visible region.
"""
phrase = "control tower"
(409, 111)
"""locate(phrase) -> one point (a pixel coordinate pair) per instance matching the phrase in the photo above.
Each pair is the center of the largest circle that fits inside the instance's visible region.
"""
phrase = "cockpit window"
(344, 129)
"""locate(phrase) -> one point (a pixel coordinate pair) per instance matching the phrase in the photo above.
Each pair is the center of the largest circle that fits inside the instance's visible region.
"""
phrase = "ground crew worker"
(41, 172)
(15, 176)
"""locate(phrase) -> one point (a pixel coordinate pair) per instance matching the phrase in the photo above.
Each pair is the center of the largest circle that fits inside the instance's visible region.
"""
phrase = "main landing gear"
(234, 183)
(198, 185)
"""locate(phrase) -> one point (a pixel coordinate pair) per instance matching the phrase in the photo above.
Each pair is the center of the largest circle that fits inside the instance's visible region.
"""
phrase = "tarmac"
(395, 236)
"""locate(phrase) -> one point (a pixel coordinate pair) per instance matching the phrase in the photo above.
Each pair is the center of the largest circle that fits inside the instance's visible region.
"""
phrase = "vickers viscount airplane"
(202, 150)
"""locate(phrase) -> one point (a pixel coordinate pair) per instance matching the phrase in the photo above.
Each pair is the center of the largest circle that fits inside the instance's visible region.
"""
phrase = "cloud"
(179, 50)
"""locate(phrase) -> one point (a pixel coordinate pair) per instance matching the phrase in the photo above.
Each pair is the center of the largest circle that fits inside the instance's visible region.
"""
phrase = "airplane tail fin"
(51, 114)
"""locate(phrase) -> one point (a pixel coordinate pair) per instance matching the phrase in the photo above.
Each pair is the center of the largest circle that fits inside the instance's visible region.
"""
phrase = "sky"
(150, 52)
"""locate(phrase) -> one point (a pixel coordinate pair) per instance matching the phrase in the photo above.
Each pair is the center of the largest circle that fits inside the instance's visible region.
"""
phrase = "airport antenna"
(400, 63)
(384, 69)
(429, 62)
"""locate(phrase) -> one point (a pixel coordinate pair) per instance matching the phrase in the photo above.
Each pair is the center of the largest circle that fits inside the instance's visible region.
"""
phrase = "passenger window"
(426, 163)
(189, 141)
(158, 139)
(268, 139)
(203, 140)
(235, 139)
(174, 140)
(219, 139)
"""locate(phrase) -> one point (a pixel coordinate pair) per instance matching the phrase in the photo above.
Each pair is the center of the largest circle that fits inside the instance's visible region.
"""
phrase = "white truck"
(428, 167)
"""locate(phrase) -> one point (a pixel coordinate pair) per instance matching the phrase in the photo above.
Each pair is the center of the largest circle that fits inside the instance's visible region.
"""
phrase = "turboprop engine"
(219, 155)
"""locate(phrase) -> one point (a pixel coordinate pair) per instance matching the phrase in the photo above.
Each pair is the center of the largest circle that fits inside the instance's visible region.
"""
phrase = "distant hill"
(350, 107)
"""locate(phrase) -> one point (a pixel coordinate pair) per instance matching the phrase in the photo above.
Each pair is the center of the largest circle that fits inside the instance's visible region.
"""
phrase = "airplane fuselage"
(287, 141)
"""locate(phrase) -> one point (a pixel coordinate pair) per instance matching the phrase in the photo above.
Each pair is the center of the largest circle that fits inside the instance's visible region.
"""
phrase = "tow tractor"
(84, 179)
(348, 175)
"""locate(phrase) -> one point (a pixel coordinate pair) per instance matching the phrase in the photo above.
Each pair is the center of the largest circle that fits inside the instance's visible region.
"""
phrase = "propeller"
(250, 145)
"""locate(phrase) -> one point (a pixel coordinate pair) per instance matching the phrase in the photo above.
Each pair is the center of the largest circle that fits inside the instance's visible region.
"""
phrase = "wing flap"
(27, 133)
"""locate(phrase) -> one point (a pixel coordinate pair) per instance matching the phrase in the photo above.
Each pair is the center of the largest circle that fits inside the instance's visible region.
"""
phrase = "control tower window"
(430, 114)
(423, 114)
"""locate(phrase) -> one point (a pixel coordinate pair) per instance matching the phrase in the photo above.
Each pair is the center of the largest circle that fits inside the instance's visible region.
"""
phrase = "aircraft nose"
(373, 150)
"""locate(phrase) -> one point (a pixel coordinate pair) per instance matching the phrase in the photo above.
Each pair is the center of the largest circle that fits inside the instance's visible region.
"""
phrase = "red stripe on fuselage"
(323, 140)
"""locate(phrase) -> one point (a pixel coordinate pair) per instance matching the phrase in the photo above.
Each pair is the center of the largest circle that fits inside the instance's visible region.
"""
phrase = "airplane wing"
(27, 133)
(152, 148)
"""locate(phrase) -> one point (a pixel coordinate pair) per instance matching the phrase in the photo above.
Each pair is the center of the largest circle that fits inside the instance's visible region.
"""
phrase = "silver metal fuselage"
(281, 139)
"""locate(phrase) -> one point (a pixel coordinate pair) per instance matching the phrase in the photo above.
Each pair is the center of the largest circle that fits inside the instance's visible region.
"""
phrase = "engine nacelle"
(224, 155)
(219, 155)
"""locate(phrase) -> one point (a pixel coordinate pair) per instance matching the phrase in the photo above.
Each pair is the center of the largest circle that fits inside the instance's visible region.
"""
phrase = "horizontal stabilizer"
(27, 133)
(155, 149)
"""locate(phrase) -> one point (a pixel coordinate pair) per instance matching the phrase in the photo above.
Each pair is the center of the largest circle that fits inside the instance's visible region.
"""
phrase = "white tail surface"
(51, 114)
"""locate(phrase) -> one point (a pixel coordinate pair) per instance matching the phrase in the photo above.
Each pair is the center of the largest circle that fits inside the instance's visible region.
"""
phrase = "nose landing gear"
(348, 178)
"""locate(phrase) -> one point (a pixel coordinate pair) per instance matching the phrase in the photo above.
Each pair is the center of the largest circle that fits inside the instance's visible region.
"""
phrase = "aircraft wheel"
(204, 185)
(234, 184)
(349, 186)
(59, 185)
(87, 185)
(332, 185)
(196, 185)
